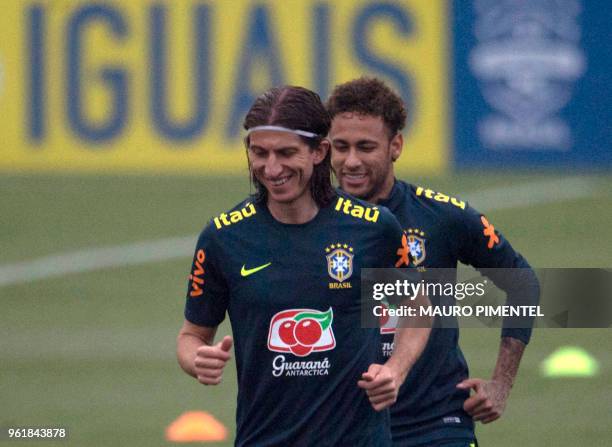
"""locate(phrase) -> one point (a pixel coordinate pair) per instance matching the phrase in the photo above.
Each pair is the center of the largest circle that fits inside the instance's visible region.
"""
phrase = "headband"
(302, 133)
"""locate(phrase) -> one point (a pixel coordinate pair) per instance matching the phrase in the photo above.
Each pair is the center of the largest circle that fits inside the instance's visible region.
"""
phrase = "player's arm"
(488, 251)
(490, 396)
(205, 307)
(382, 382)
(198, 356)
(410, 339)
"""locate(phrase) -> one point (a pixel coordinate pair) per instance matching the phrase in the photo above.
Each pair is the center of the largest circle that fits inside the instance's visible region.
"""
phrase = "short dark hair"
(295, 108)
(369, 96)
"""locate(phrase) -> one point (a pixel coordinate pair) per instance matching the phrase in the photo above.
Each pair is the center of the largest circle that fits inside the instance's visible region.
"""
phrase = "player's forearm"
(410, 339)
(187, 345)
(409, 344)
(186, 348)
(522, 288)
(508, 360)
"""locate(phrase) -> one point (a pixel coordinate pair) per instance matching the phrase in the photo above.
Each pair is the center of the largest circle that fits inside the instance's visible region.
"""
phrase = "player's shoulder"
(454, 213)
(437, 201)
(232, 219)
(348, 207)
(351, 207)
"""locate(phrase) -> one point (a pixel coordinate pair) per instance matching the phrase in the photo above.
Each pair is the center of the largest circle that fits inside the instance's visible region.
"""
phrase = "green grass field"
(94, 351)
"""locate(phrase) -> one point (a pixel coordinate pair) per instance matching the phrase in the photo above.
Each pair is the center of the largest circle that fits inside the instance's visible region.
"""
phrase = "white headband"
(302, 133)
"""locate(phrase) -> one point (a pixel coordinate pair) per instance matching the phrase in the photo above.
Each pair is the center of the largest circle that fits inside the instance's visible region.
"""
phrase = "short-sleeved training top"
(292, 293)
(442, 231)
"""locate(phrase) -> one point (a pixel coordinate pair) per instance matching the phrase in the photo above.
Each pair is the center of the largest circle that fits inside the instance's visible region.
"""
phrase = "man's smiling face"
(363, 154)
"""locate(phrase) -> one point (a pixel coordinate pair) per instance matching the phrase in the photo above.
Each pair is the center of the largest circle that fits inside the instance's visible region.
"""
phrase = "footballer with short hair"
(434, 407)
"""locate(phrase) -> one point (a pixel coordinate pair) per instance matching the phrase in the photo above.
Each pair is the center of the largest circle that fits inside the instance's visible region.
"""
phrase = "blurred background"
(121, 137)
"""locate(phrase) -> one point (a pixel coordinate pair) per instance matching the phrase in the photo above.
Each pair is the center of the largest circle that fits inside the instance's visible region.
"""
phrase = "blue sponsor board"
(532, 83)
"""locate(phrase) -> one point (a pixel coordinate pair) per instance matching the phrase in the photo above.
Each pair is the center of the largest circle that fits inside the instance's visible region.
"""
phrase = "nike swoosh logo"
(246, 272)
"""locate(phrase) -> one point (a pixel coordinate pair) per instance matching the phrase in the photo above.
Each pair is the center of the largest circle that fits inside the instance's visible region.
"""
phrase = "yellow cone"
(196, 426)
(569, 361)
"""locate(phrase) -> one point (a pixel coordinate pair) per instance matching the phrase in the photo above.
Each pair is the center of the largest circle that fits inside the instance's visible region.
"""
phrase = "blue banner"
(532, 83)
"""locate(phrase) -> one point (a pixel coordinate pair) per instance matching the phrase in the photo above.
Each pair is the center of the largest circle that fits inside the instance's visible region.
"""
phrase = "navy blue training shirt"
(443, 231)
(292, 293)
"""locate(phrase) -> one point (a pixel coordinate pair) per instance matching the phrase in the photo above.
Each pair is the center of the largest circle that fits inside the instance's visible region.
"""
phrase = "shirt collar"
(396, 196)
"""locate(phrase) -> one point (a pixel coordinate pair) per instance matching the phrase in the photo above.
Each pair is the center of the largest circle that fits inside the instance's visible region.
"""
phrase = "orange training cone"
(196, 426)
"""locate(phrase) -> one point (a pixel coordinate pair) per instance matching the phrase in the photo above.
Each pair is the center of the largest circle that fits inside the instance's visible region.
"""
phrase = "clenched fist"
(489, 400)
(381, 385)
(210, 361)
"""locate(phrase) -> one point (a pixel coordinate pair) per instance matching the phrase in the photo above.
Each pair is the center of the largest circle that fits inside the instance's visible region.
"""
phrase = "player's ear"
(397, 143)
(320, 152)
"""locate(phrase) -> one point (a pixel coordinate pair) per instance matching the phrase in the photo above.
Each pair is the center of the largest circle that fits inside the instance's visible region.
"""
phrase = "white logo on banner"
(527, 59)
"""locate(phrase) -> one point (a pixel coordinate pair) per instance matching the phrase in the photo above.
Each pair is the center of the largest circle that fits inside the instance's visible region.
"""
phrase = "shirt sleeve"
(207, 292)
(485, 248)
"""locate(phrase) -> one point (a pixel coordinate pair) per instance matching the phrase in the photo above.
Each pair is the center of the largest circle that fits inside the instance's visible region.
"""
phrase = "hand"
(210, 361)
(381, 386)
(488, 402)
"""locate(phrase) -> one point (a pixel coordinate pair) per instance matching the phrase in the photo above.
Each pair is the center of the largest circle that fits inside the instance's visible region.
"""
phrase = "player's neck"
(300, 211)
(385, 191)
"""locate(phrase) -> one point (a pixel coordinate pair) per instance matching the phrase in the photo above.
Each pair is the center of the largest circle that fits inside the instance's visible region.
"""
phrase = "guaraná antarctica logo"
(300, 332)
(387, 323)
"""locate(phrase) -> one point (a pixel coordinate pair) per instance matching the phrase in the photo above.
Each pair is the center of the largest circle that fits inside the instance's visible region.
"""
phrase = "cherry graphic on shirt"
(308, 331)
(301, 350)
(285, 332)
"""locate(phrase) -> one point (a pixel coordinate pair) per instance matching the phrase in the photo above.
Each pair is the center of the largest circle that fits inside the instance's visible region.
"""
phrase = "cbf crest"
(339, 265)
(416, 245)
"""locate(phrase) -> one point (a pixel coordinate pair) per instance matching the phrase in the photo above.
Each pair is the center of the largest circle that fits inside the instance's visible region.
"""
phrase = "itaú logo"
(301, 331)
